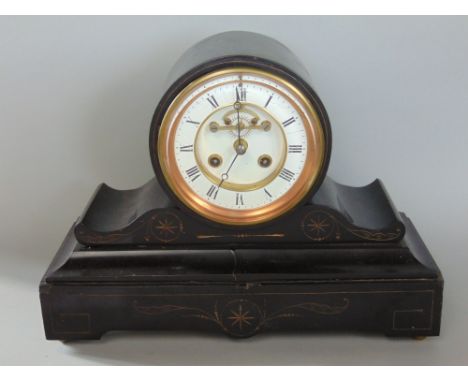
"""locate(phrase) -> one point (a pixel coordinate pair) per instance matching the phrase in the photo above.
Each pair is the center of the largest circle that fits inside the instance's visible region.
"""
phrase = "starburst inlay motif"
(240, 317)
(318, 226)
(166, 227)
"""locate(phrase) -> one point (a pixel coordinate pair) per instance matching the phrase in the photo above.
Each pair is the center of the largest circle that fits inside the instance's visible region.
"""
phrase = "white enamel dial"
(239, 141)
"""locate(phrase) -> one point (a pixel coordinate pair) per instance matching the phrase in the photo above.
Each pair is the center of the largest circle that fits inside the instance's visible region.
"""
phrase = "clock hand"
(237, 106)
(225, 175)
(238, 126)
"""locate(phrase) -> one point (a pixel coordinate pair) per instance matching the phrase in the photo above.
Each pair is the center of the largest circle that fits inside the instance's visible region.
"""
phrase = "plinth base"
(394, 289)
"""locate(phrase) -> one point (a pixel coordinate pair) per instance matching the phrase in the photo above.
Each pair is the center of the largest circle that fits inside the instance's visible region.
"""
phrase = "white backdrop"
(76, 99)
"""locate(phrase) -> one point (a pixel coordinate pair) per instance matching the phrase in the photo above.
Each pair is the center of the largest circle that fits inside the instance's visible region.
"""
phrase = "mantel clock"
(241, 231)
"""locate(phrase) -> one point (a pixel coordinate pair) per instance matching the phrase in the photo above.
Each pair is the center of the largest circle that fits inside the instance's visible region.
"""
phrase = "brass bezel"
(175, 180)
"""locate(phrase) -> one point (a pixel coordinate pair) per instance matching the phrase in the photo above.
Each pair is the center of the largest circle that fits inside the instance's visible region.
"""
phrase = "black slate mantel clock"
(241, 231)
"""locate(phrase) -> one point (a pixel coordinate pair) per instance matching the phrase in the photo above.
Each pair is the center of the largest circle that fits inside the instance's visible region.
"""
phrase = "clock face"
(240, 146)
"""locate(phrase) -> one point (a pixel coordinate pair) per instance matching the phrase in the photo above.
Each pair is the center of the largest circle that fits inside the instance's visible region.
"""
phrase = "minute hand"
(238, 126)
(225, 175)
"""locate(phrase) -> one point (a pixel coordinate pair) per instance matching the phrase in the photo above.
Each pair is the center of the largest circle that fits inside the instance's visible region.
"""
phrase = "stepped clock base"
(393, 289)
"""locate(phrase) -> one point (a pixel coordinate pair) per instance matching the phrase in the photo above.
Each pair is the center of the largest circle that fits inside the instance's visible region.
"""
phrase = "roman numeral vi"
(212, 192)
